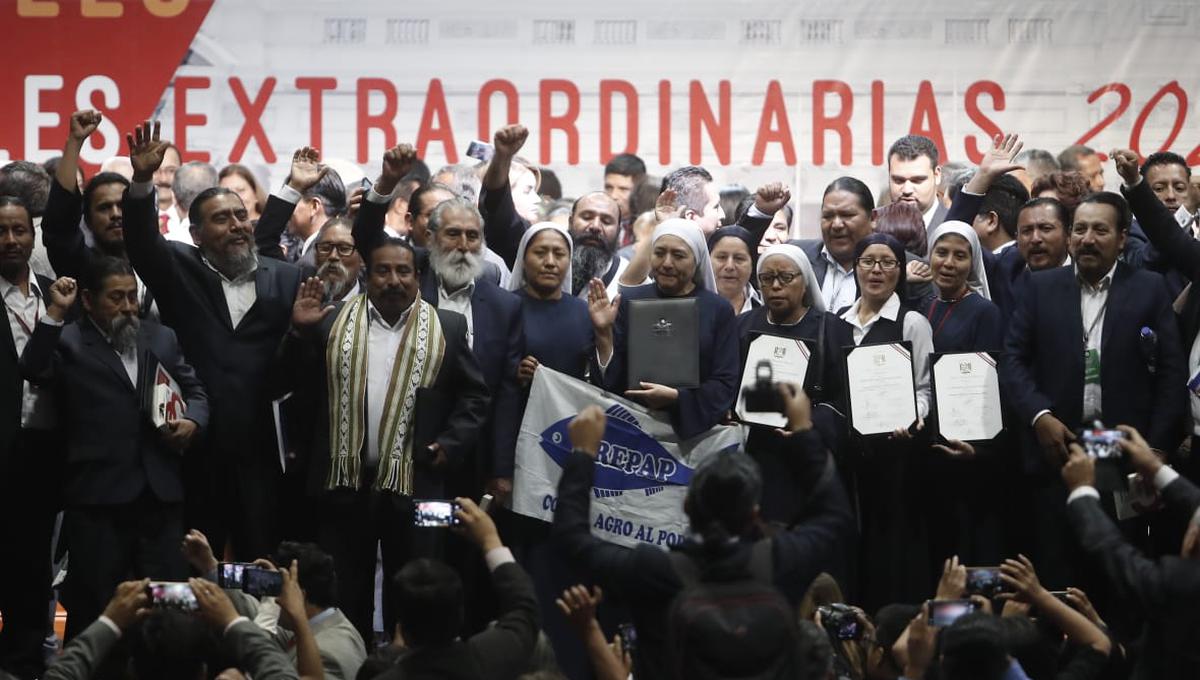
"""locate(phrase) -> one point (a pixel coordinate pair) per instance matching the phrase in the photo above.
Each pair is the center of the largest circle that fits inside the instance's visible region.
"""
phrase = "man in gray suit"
(166, 643)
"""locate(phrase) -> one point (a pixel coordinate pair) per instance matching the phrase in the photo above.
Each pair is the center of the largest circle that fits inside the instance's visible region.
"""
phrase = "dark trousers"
(109, 544)
(28, 486)
(350, 527)
(233, 497)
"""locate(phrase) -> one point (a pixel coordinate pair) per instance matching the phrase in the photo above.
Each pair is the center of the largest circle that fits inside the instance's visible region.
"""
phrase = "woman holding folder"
(680, 267)
(968, 503)
(891, 476)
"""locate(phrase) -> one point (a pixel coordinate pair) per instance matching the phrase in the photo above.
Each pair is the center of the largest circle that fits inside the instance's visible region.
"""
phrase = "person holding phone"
(402, 401)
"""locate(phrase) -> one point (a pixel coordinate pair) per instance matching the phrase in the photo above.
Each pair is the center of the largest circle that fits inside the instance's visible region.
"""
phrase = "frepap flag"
(642, 470)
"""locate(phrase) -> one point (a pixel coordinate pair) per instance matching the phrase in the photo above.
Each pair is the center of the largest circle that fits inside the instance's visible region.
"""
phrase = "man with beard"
(122, 481)
(100, 207)
(398, 373)
(230, 311)
(339, 263)
(28, 450)
(455, 280)
(595, 222)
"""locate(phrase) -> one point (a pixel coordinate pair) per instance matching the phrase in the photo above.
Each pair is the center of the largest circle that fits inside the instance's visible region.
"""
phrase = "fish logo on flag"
(642, 468)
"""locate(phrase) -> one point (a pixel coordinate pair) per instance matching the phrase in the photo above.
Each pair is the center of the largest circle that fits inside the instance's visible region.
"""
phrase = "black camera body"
(841, 621)
(763, 396)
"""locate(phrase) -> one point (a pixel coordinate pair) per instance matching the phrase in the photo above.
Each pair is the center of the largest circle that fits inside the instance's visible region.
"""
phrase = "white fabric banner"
(642, 470)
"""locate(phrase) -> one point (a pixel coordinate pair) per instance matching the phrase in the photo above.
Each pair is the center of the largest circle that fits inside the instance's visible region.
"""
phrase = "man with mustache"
(100, 207)
(230, 310)
(339, 264)
(28, 451)
(455, 281)
(595, 222)
(1096, 341)
(397, 371)
(122, 482)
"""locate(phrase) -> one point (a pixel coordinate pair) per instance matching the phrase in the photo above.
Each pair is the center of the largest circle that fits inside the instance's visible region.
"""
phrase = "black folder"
(664, 342)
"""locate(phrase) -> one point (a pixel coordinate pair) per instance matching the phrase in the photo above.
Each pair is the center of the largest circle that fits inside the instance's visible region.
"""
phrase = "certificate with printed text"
(879, 379)
(788, 359)
(966, 392)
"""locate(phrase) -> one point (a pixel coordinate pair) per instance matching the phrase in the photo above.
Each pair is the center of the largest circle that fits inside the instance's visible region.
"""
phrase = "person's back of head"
(1029, 645)
(315, 571)
(429, 599)
(170, 643)
(1005, 198)
(904, 222)
(814, 652)
(722, 498)
(1038, 162)
(973, 648)
(331, 191)
(1069, 187)
(1068, 158)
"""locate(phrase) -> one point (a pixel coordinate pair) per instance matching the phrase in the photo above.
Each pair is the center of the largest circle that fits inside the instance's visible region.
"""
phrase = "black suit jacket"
(1164, 591)
(113, 451)
(1043, 366)
(450, 412)
(1179, 250)
(270, 227)
(233, 363)
(499, 345)
(12, 386)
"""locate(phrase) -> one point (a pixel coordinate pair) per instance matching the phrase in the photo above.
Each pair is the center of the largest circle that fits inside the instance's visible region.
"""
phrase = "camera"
(942, 613)
(985, 581)
(173, 595)
(436, 514)
(250, 579)
(841, 621)
(763, 396)
(1100, 443)
(628, 634)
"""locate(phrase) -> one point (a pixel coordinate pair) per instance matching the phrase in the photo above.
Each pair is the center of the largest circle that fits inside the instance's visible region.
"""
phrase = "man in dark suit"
(230, 310)
(312, 195)
(454, 279)
(913, 176)
(1162, 591)
(397, 375)
(28, 452)
(1096, 341)
(122, 483)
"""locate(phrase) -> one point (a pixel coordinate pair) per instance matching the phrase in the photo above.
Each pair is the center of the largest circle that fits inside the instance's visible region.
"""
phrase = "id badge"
(1091, 367)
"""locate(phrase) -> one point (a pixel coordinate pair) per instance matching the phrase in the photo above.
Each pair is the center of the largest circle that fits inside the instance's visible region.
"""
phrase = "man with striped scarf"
(400, 403)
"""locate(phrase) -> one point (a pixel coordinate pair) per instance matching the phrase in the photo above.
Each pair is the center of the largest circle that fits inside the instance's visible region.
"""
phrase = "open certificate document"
(880, 380)
(788, 358)
(966, 389)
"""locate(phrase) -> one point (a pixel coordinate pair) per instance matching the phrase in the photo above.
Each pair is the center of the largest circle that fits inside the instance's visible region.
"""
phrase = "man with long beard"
(339, 264)
(230, 311)
(122, 481)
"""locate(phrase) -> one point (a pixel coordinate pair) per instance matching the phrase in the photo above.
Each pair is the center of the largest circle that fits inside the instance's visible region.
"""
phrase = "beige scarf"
(418, 360)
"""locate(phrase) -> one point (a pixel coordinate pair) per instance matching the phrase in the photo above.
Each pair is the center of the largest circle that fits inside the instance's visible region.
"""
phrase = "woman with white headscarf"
(960, 312)
(558, 330)
(679, 267)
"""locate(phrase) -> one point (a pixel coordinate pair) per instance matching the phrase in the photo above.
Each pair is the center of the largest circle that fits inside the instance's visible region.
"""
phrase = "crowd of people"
(207, 381)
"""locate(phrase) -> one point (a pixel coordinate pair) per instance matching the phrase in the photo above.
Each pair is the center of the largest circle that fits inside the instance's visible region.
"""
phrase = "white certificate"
(788, 358)
(966, 390)
(880, 382)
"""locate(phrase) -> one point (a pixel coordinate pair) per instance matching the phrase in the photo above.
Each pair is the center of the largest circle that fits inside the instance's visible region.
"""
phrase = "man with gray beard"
(339, 264)
(122, 480)
(230, 310)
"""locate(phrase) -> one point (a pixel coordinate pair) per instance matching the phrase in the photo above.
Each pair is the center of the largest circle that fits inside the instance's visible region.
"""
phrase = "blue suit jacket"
(1142, 384)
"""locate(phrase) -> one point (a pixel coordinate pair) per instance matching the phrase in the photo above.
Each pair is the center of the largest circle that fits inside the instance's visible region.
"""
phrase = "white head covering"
(976, 278)
(691, 234)
(517, 280)
(812, 289)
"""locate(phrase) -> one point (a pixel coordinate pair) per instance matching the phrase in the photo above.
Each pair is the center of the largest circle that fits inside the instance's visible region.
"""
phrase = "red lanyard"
(952, 304)
(36, 316)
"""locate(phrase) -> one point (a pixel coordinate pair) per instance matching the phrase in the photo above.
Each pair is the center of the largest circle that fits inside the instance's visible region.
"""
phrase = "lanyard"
(21, 320)
(1087, 332)
(951, 305)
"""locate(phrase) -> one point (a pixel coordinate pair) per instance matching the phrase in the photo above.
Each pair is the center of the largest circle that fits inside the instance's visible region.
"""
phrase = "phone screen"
(984, 581)
(262, 582)
(435, 514)
(230, 574)
(942, 613)
(173, 595)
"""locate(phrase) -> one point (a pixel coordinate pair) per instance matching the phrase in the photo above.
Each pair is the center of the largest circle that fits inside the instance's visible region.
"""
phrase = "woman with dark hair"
(903, 221)
(891, 473)
(238, 179)
(732, 252)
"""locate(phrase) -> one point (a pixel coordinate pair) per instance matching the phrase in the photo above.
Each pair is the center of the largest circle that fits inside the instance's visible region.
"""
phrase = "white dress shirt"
(933, 208)
(839, 288)
(1093, 301)
(459, 301)
(240, 293)
(128, 358)
(383, 340)
(916, 330)
(24, 311)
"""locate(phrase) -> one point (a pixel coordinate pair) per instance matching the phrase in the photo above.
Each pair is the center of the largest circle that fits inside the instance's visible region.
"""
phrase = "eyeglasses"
(868, 263)
(784, 278)
(343, 249)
